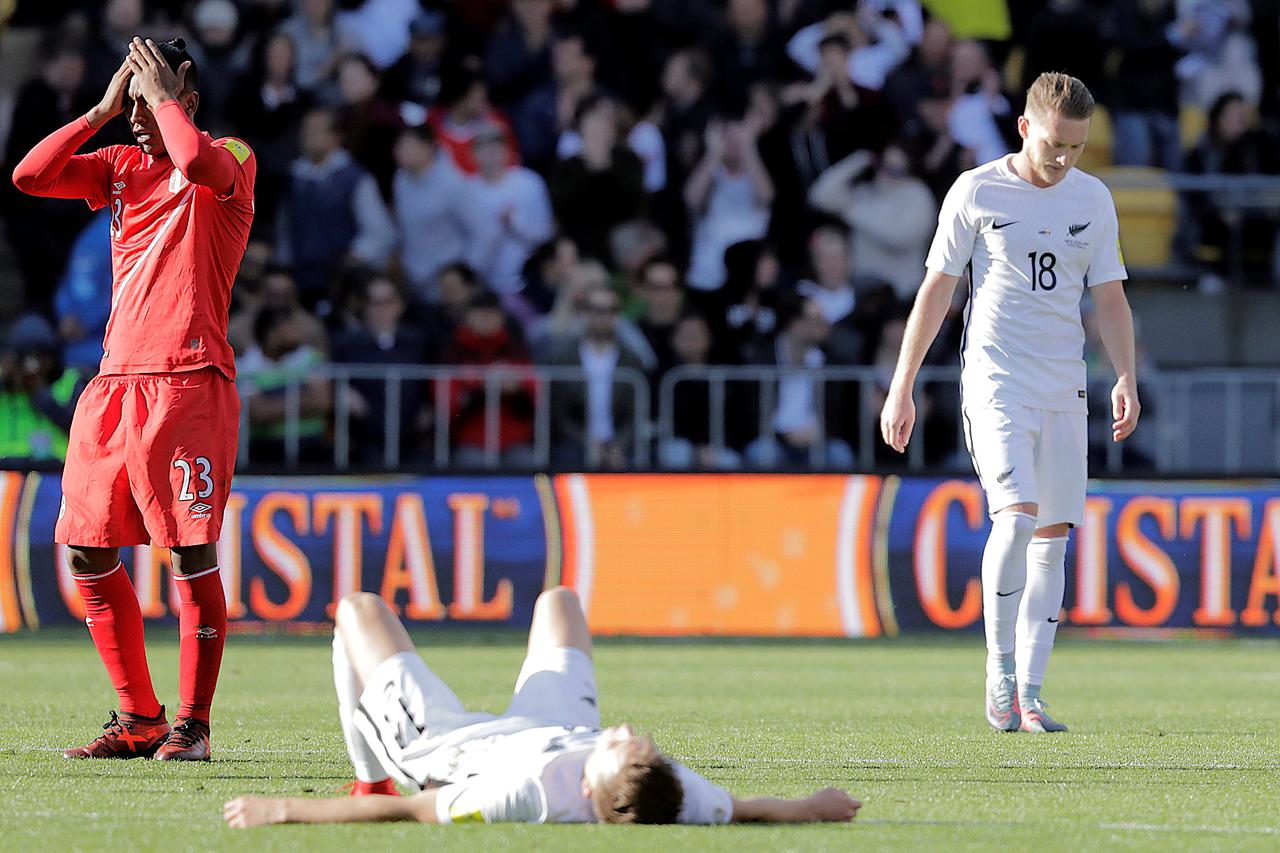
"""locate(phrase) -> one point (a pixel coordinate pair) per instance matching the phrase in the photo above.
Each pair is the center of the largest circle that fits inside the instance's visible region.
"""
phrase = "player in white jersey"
(1029, 233)
(544, 760)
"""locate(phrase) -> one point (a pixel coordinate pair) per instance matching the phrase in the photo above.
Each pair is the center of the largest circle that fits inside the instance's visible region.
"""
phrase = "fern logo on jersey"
(1076, 229)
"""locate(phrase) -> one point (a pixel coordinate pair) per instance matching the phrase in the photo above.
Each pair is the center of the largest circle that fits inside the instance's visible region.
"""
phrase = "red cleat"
(125, 736)
(189, 741)
(360, 788)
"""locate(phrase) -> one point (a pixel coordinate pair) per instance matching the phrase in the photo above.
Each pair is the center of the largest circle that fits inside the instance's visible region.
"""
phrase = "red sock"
(203, 631)
(115, 624)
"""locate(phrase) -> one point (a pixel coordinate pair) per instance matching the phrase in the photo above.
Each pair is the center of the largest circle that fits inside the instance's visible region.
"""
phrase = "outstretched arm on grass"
(830, 805)
(245, 812)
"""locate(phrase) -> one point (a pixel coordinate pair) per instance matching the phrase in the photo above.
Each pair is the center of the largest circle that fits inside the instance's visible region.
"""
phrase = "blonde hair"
(1054, 92)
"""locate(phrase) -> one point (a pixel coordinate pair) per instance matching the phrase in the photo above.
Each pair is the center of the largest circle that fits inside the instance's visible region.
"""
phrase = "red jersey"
(175, 245)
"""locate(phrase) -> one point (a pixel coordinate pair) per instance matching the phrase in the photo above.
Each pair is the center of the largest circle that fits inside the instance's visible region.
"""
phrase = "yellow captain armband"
(238, 149)
(1119, 251)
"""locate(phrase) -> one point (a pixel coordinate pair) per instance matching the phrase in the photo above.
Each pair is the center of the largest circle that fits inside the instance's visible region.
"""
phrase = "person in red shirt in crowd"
(485, 338)
(463, 113)
(153, 440)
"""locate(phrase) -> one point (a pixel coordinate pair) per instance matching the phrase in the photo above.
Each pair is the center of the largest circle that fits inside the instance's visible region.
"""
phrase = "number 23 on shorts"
(197, 477)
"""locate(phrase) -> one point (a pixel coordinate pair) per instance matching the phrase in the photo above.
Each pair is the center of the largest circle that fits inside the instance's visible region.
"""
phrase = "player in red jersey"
(153, 440)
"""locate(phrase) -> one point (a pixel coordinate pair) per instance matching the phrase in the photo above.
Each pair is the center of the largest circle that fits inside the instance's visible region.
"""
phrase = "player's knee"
(92, 561)
(558, 598)
(1015, 527)
(357, 606)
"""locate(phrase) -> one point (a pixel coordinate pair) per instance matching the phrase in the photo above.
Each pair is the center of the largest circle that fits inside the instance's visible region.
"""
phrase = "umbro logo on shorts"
(206, 632)
(200, 510)
(1076, 229)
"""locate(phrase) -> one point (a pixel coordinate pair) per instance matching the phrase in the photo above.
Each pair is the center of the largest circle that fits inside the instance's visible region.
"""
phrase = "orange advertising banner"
(690, 554)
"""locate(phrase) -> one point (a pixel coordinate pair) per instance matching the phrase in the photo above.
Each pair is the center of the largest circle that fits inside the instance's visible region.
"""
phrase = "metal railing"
(441, 379)
(1199, 422)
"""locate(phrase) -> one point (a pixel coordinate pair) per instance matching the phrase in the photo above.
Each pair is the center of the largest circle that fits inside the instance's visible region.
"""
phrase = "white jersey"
(1029, 253)
(534, 775)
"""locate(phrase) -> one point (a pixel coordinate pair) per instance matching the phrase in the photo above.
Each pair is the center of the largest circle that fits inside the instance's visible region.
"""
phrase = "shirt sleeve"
(1108, 261)
(246, 168)
(491, 799)
(704, 802)
(953, 241)
(53, 169)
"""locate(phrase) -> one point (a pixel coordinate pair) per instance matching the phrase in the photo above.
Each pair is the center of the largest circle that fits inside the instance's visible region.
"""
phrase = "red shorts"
(149, 460)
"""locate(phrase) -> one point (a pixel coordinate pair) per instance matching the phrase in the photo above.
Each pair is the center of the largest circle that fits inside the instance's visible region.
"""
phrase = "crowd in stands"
(595, 184)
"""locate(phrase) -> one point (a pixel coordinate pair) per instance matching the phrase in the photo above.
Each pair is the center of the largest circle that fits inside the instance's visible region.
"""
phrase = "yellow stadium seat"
(1147, 207)
(1097, 154)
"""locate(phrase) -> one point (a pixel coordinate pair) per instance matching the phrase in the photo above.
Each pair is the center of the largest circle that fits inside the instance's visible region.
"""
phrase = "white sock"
(1041, 608)
(347, 684)
(1004, 574)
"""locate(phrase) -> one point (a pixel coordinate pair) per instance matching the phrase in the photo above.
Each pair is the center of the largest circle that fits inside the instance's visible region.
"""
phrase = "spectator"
(432, 202)
(417, 77)
(890, 213)
(121, 20)
(278, 358)
(83, 300)
(594, 419)
(548, 111)
(832, 284)
(462, 114)
(370, 124)
(936, 155)
(383, 338)
(690, 445)
(663, 298)
(603, 186)
(458, 285)
(927, 73)
(685, 110)
(277, 292)
(512, 212)
(1220, 54)
(41, 230)
(978, 105)
(1144, 89)
(267, 111)
(485, 338)
(331, 213)
(823, 120)
(751, 293)
(320, 42)
(569, 317)
(632, 245)
(37, 397)
(1066, 36)
(800, 434)
(729, 193)
(518, 58)
(643, 137)
(380, 28)
(1233, 144)
(748, 47)
(222, 58)
(877, 45)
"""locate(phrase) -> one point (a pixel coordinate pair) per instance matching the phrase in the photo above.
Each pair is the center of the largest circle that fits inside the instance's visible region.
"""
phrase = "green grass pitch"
(1174, 746)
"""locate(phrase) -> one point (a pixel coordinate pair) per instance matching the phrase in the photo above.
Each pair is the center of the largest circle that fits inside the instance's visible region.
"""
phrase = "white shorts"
(1026, 455)
(406, 711)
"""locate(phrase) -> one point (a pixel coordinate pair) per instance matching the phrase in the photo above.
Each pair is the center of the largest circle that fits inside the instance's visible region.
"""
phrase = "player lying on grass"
(544, 760)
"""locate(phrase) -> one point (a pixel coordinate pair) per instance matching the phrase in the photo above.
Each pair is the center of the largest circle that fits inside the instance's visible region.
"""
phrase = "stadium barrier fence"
(1195, 422)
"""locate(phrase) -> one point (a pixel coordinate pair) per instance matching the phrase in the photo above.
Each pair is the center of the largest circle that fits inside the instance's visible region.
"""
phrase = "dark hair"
(789, 308)
(484, 299)
(463, 271)
(267, 319)
(591, 101)
(175, 53)
(456, 85)
(836, 38)
(422, 132)
(1219, 107)
(642, 792)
